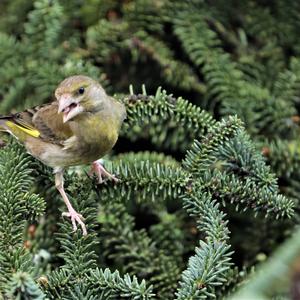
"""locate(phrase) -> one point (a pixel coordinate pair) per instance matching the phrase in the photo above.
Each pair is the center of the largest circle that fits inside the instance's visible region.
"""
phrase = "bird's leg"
(100, 171)
(72, 213)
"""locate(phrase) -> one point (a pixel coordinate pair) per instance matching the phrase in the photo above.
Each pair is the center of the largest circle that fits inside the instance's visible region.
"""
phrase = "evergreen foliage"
(209, 175)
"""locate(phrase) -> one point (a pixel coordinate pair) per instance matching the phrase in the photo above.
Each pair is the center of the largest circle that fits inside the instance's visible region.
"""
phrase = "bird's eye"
(81, 90)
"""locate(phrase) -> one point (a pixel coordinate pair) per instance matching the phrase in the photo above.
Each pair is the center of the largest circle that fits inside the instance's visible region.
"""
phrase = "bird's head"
(79, 94)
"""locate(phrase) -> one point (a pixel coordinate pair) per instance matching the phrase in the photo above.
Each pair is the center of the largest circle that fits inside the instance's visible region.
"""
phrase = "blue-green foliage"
(198, 202)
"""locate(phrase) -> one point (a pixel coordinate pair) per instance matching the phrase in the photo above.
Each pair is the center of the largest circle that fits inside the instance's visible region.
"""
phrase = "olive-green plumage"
(79, 127)
(83, 139)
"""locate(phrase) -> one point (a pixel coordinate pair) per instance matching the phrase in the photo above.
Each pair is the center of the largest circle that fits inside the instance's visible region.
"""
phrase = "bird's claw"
(101, 172)
(110, 176)
(75, 217)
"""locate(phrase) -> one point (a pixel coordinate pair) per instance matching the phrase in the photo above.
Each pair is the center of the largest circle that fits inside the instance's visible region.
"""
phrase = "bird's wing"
(40, 122)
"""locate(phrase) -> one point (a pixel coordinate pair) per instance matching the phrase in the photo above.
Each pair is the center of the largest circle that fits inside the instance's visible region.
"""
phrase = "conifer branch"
(22, 286)
(16, 200)
(199, 157)
(127, 287)
(147, 180)
(159, 118)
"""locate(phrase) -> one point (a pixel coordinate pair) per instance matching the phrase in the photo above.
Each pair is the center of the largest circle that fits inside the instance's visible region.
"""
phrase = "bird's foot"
(75, 218)
(101, 172)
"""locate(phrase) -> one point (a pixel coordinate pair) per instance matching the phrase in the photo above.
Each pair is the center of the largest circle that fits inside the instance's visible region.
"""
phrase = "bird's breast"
(95, 137)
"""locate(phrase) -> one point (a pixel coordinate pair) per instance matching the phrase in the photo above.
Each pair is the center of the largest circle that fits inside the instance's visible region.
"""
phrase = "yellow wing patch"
(29, 130)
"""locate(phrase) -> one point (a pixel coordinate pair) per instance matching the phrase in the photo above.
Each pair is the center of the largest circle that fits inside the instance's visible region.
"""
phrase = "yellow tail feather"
(33, 132)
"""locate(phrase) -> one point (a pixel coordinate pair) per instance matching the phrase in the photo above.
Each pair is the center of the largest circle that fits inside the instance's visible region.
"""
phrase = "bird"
(78, 127)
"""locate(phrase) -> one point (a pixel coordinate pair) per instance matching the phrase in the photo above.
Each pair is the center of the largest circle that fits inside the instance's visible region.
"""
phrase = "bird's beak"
(64, 101)
(69, 107)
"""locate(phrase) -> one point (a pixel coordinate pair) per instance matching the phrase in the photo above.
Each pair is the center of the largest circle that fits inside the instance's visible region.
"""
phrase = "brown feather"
(50, 124)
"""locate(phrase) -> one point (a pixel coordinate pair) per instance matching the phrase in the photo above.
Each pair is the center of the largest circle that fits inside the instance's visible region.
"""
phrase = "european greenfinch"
(80, 127)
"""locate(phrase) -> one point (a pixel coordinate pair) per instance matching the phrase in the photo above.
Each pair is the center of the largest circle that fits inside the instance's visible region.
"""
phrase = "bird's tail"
(17, 127)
